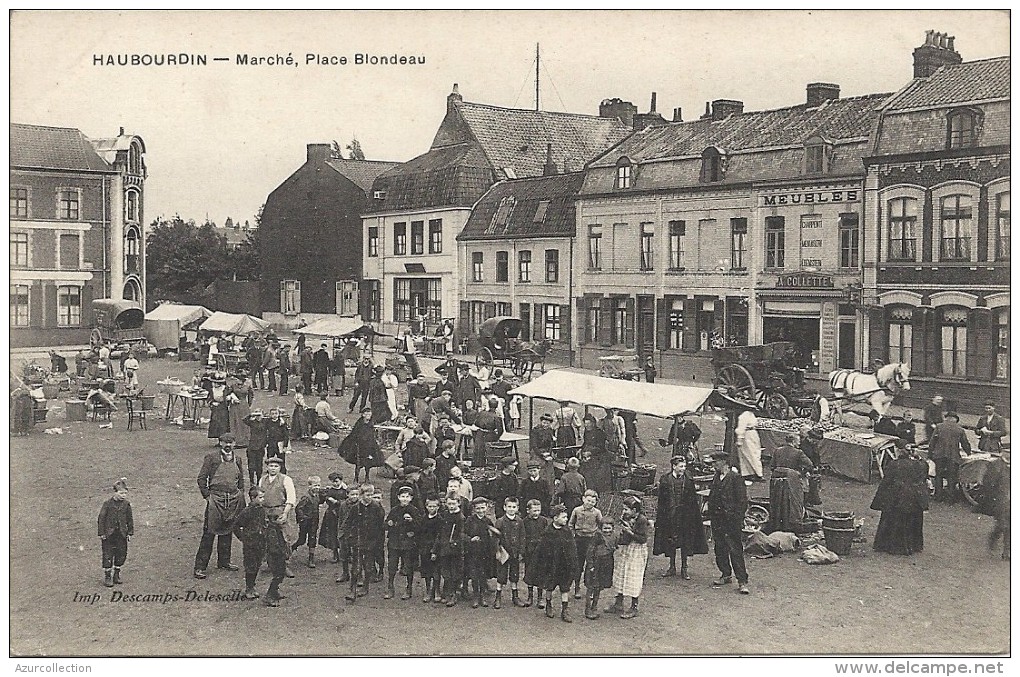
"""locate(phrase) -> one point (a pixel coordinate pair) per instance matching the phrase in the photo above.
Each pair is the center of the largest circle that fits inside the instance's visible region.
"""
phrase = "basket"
(838, 520)
(839, 540)
(148, 402)
(620, 478)
(643, 477)
(189, 424)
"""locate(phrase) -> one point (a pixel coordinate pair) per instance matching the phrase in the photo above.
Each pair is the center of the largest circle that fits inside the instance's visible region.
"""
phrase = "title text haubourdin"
(288, 59)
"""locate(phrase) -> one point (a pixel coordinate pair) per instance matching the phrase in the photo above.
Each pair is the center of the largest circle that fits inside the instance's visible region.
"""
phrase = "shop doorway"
(803, 332)
(847, 345)
(646, 325)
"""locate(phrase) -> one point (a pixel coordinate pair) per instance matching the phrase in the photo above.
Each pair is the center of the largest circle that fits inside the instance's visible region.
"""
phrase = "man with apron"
(280, 498)
(221, 482)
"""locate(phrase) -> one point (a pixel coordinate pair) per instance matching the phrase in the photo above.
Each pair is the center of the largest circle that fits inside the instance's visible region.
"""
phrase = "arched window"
(134, 159)
(953, 325)
(956, 217)
(962, 129)
(132, 259)
(131, 204)
(901, 333)
(132, 292)
(712, 165)
(624, 173)
(1002, 343)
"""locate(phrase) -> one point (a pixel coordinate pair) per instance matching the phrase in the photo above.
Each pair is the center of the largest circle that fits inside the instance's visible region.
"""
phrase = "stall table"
(191, 403)
(847, 452)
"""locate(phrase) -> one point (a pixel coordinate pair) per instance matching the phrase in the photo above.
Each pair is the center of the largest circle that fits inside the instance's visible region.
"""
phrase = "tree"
(182, 259)
(336, 151)
(245, 260)
(355, 149)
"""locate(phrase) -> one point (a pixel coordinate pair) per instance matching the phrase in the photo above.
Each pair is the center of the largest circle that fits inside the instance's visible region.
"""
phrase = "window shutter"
(980, 356)
(582, 304)
(690, 324)
(297, 296)
(465, 318)
(35, 305)
(631, 320)
(918, 355)
(50, 313)
(490, 309)
(719, 314)
(537, 322)
(932, 342)
(565, 337)
(878, 333)
(662, 322)
(87, 295)
(605, 321)
(362, 296)
(283, 296)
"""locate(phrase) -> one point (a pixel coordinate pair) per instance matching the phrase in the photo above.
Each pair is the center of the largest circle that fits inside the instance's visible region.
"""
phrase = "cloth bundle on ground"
(763, 546)
(819, 554)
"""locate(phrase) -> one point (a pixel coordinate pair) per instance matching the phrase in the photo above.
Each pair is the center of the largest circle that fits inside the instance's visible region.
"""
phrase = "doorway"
(646, 326)
(847, 345)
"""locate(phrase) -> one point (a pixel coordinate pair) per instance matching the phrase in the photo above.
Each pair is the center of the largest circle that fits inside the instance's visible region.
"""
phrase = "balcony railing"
(903, 250)
(955, 249)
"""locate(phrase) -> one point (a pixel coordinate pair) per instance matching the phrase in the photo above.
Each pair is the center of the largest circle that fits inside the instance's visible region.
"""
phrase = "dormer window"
(962, 129)
(503, 213)
(624, 173)
(379, 195)
(817, 154)
(713, 166)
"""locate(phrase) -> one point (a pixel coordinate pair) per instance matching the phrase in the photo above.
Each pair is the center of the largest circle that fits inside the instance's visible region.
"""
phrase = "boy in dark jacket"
(511, 538)
(535, 525)
(250, 528)
(343, 539)
(481, 537)
(535, 487)
(401, 541)
(116, 527)
(307, 514)
(428, 536)
(556, 558)
(365, 526)
(256, 444)
(333, 497)
(598, 569)
(450, 550)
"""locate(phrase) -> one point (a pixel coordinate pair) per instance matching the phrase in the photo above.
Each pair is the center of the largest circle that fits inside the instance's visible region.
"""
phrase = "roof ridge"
(547, 112)
(559, 175)
(343, 159)
(28, 124)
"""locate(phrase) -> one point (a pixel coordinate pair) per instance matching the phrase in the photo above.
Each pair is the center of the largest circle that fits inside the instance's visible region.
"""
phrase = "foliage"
(355, 150)
(244, 260)
(182, 259)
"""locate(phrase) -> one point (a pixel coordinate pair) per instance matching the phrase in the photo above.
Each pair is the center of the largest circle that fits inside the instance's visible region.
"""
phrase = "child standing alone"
(116, 527)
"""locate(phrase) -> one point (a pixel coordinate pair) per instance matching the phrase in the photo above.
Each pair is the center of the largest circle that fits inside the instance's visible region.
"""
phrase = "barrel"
(839, 540)
(148, 402)
(642, 477)
(838, 520)
(75, 410)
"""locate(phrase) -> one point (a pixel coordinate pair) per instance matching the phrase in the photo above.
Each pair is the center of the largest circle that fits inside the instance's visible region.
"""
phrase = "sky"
(219, 138)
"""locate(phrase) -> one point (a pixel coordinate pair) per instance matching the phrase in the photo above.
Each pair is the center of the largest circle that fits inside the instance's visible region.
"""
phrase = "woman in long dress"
(361, 448)
(219, 418)
(389, 380)
(902, 497)
(596, 460)
(238, 410)
(749, 446)
(568, 425)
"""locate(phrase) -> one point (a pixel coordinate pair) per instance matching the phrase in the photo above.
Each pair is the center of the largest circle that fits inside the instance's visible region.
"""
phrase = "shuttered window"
(68, 306)
(290, 297)
(1002, 344)
(954, 341)
(901, 333)
(552, 322)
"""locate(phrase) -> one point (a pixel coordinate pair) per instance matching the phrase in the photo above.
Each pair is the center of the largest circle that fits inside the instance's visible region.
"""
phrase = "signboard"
(811, 198)
(810, 243)
(804, 281)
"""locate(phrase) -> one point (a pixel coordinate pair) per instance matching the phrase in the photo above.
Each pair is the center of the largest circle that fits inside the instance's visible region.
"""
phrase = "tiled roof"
(528, 217)
(455, 176)
(361, 172)
(848, 118)
(53, 148)
(958, 83)
(517, 139)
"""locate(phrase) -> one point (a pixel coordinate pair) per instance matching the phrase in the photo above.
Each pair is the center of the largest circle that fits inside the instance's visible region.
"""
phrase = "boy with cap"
(449, 550)
(427, 484)
(343, 533)
(365, 525)
(534, 487)
(307, 512)
(251, 528)
(116, 527)
(511, 538)
(535, 524)
(541, 436)
(445, 462)
(417, 448)
(480, 536)
(257, 441)
(727, 503)
(401, 541)
(279, 499)
(333, 497)
(427, 538)
(506, 485)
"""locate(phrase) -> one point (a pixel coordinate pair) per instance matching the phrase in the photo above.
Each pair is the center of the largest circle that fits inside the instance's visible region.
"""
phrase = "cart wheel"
(518, 366)
(95, 338)
(972, 492)
(484, 358)
(776, 406)
(738, 381)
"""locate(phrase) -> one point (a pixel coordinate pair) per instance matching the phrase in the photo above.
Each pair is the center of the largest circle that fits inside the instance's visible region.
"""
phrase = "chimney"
(121, 132)
(708, 112)
(820, 92)
(723, 108)
(649, 119)
(937, 51)
(618, 108)
(651, 108)
(678, 115)
(319, 152)
(550, 166)
(453, 98)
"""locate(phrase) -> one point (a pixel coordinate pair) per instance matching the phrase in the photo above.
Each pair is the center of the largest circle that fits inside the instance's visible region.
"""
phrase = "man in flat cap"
(991, 428)
(727, 503)
(506, 484)
(221, 482)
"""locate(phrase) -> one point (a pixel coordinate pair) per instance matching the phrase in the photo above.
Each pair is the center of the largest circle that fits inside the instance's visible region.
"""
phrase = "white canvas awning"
(229, 323)
(332, 326)
(163, 325)
(653, 399)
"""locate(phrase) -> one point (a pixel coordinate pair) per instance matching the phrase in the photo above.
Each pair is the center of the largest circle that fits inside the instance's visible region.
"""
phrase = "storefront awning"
(800, 293)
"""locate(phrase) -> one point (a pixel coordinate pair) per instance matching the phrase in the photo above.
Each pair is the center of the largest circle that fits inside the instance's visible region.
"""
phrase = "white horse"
(877, 389)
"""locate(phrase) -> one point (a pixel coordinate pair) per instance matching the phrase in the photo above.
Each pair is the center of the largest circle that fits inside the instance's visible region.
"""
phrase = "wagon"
(500, 344)
(764, 377)
(117, 321)
(624, 367)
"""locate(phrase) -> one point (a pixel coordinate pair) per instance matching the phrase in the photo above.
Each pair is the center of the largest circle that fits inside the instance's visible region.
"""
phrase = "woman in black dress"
(902, 497)
(360, 448)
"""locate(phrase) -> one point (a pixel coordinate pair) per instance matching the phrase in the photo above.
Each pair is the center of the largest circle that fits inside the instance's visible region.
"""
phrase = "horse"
(877, 389)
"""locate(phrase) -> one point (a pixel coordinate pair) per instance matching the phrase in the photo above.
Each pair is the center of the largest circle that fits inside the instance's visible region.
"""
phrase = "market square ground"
(952, 598)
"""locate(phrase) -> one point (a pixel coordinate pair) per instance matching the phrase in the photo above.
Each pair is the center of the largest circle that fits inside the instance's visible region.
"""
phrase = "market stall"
(166, 325)
(230, 323)
(845, 451)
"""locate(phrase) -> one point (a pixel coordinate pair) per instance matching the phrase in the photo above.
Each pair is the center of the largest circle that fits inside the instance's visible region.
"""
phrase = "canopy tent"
(334, 326)
(163, 326)
(229, 323)
(653, 399)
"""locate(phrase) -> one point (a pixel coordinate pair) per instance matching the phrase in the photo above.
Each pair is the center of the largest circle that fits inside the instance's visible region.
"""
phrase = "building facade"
(412, 267)
(77, 230)
(516, 251)
(737, 228)
(310, 239)
(938, 196)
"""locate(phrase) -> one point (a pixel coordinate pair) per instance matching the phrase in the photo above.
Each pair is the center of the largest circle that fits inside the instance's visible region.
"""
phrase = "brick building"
(516, 253)
(76, 230)
(310, 239)
(938, 220)
(418, 208)
(739, 227)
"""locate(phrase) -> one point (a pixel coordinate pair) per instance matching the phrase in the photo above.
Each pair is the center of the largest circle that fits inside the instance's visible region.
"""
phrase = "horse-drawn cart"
(119, 322)
(765, 377)
(501, 344)
(626, 367)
